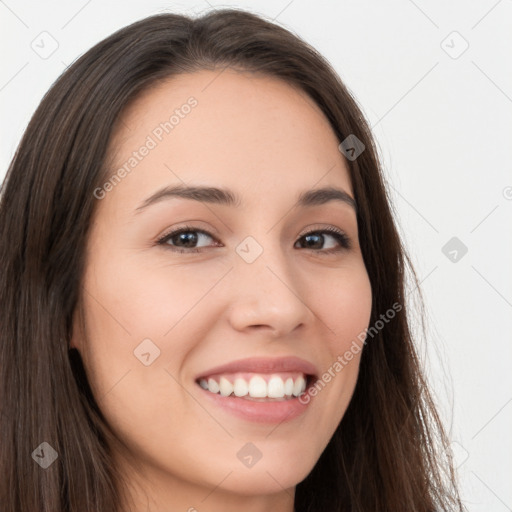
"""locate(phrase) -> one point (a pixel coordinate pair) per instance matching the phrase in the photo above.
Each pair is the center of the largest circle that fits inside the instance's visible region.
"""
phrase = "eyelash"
(340, 236)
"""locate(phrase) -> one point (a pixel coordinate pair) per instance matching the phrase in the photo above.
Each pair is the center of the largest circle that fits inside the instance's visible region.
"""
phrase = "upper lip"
(264, 365)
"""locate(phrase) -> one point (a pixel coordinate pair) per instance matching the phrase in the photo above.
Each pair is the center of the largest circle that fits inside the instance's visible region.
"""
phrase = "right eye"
(187, 235)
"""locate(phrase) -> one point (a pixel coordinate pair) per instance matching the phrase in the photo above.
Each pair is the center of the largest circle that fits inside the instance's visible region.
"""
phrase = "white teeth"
(213, 386)
(240, 388)
(276, 387)
(299, 386)
(257, 387)
(226, 388)
(288, 387)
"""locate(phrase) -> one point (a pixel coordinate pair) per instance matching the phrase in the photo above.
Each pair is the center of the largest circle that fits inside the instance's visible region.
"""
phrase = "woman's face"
(243, 283)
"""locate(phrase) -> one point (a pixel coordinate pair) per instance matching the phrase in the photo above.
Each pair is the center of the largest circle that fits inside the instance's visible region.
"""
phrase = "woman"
(203, 289)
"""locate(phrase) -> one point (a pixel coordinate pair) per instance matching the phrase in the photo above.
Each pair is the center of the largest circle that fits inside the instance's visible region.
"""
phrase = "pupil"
(189, 238)
(318, 237)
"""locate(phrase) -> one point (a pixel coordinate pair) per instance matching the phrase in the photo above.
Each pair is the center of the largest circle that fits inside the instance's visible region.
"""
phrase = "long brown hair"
(389, 451)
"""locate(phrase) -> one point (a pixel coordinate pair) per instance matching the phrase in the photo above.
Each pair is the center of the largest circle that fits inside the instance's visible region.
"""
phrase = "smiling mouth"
(258, 387)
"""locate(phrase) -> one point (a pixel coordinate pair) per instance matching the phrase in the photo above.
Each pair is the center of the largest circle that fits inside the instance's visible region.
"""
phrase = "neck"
(160, 491)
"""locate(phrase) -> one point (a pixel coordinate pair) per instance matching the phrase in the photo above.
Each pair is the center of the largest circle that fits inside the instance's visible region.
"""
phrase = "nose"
(265, 296)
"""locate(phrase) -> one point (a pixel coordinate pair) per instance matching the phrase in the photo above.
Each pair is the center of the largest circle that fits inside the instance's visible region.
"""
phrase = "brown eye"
(316, 239)
(184, 239)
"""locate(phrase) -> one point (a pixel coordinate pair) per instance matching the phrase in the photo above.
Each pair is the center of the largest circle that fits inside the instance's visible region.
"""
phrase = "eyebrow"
(223, 196)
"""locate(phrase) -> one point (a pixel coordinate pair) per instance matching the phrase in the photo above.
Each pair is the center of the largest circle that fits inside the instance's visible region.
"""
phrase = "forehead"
(253, 133)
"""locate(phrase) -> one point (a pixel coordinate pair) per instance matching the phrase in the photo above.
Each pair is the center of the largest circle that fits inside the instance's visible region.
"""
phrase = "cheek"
(140, 401)
(344, 305)
(141, 301)
(351, 310)
(131, 311)
(350, 319)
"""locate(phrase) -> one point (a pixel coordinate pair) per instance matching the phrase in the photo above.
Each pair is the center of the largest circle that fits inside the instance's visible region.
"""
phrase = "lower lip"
(259, 412)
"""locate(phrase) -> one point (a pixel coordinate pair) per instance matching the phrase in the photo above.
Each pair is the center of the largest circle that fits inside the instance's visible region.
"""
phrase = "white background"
(444, 129)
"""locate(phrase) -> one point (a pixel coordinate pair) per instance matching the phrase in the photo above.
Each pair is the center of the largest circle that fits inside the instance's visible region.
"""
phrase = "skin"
(267, 142)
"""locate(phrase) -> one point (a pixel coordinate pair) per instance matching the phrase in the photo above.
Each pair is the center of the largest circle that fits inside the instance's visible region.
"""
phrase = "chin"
(269, 477)
(260, 482)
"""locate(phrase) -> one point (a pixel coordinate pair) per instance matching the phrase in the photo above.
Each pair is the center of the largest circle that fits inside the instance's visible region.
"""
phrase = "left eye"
(185, 240)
